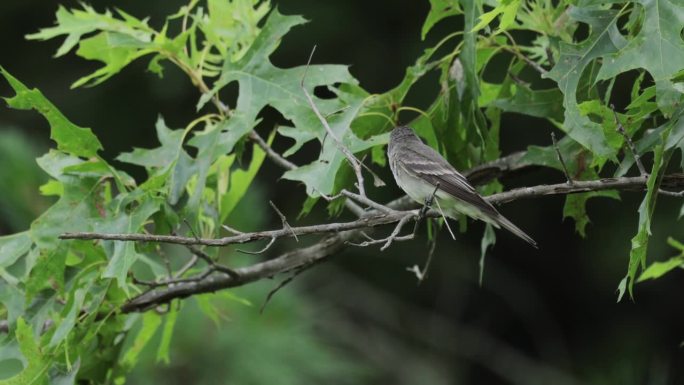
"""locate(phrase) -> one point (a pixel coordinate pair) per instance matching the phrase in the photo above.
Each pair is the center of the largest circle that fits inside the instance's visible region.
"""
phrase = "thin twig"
(446, 222)
(632, 148)
(210, 261)
(274, 156)
(426, 206)
(268, 246)
(373, 241)
(284, 220)
(193, 260)
(355, 163)
(282, 284)
(521, 56)
(395, 232)
(421, 274)
(676, 194)
(232, 230)
(359, 198)
(560, 159)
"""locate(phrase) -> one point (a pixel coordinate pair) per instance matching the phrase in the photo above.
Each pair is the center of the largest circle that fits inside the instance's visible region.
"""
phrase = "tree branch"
(339, 234)
(403, 209)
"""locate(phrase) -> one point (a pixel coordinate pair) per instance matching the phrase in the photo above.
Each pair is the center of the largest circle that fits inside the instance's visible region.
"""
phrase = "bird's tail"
(508, 225)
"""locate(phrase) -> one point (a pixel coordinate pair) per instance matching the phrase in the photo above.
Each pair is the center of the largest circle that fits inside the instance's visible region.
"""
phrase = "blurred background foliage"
(545, 316)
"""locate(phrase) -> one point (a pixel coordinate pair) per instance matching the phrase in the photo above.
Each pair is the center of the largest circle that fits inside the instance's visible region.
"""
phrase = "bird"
(421, 172)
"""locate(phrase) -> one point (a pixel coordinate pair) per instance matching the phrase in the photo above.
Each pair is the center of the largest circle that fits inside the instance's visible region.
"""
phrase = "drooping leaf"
(637, 255)
(167, 334)
(73, 307)
(150, 323)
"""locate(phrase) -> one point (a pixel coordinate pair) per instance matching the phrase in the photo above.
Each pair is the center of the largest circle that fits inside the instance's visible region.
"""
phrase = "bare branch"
(374, 219)
(396, 231)
(515, 51)
(486, 172)
(446, 222)
(283, 283)
(628, 141)
(359, 198)
(560, 158)
(339, 234)
(421, 274)
(210, 261)
(232, 230)
(193, 260)
(283, 220)
(274, 156)
(286, 262)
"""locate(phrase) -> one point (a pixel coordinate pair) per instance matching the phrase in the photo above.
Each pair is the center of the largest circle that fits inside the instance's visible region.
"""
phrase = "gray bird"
(419, 170)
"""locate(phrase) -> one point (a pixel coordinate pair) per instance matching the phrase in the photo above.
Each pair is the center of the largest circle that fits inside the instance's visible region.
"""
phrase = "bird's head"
(402, 132)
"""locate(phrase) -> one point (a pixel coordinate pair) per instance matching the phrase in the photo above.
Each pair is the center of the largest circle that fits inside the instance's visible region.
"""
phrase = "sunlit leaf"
(69, 137)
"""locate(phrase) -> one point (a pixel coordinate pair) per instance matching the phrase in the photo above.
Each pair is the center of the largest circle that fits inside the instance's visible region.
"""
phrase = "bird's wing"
(428, 165)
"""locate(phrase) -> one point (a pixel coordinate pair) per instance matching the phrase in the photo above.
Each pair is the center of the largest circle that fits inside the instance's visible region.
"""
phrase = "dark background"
(541, 316)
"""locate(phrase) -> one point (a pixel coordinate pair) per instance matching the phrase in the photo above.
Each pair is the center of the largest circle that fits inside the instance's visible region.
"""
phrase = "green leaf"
(637, 255)
(12, 247)
(69, 137)
(604, 38)
(122, 255)
(319, 176)
(658, 269)
(12, 300)
(114, 49)
(575, 207)
(542, 103)
(169, 166)
(658, 48)
(262, 84)
(35, 363)
(150, 324)
(75, 23)
(439, 9)
(506, 8)
(76, 208)
(240, 180)
(72, 307)
(167, 333)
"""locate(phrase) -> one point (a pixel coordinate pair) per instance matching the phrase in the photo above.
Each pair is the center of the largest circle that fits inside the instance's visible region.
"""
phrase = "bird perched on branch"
(423, 174)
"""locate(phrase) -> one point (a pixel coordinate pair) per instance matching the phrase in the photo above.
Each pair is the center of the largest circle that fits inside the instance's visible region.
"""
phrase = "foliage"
(61, 299)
